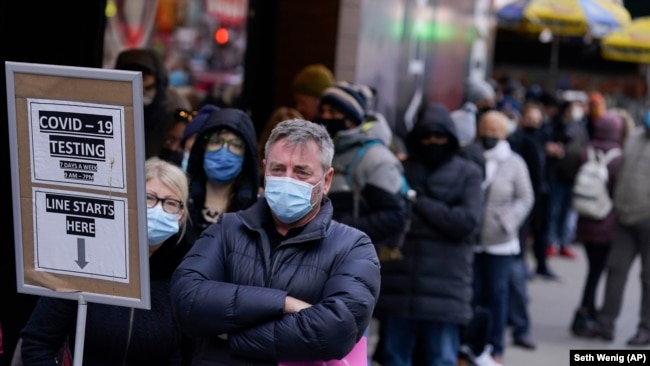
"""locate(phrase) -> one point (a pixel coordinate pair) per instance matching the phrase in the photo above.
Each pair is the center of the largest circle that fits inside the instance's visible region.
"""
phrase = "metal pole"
(647, 85)
(81, 332)
(555, 56)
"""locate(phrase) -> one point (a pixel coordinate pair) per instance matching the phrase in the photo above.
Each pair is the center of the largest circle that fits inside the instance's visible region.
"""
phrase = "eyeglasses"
(235, 145)
(169, 205)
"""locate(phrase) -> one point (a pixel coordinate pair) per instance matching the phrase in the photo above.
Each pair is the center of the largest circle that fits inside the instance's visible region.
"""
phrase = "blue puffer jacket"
(232, 283)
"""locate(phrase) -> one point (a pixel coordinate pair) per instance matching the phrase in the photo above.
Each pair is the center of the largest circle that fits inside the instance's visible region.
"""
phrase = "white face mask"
(147, 100)
(512, 126)
(577, 114)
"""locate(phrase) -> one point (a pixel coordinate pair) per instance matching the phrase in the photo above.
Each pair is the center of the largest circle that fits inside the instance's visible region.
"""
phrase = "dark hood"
(433, 117)
(246, 186)
(156, 118)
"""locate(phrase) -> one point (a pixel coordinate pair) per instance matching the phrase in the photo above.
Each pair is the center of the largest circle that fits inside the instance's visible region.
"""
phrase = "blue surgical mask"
(179, 78)
(221, 166)
(160, 225)
(288, 198)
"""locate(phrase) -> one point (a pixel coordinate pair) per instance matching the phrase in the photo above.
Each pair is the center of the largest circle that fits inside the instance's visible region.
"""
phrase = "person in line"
(281, 280)
(222, 167)
(426, 295)
(528, 143)
(631, 236)
(160, 101)
(509, 198)
(597, 235)
(367, 183)
(565, 137)
(307, 88)
(117, 335)
(172, 149)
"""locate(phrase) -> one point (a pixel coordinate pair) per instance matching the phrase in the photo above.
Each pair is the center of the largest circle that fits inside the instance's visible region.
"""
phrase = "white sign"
(77, 144)
(81, 235)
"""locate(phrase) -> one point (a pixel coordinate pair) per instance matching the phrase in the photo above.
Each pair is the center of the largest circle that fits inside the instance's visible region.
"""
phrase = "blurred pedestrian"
(172, 149)
(509, 198)
(159, 102)
(631, 236)
(426, 295)
(367, 184)
(596, 235)
(565, 137)
(281, 280)
(307, 88)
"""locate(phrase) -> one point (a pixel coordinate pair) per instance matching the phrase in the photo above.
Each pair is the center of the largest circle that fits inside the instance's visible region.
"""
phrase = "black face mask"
(433, 155)
(333, 126)
(174, 157)
(530, 130)
(489, 142)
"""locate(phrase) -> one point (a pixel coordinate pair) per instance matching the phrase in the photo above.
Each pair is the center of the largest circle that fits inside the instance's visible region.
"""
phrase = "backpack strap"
(611, 154)
(349, 169)
(591, 153)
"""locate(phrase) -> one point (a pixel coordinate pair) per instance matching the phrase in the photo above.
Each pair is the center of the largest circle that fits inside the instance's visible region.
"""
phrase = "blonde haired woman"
(117, 335)
(509, 198)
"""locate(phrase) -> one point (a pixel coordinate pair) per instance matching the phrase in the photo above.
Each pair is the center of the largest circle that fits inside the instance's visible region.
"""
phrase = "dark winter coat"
(232, 283)
(433, 281)
(574, 137)
(114, 335)
(607, 134)
(529, 144)
(246, 185)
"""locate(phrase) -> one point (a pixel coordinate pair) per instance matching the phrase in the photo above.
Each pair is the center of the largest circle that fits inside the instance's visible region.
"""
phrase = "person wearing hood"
(428, 292)
(367, 182)
(159, 101)
(223, 168)
(509, 198)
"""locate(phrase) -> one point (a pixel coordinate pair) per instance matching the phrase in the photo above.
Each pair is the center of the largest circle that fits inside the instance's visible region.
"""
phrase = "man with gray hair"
(280, 281)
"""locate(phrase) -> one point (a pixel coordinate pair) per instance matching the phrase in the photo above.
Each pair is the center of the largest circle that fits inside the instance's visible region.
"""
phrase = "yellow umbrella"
(565, 18)
(630, 43)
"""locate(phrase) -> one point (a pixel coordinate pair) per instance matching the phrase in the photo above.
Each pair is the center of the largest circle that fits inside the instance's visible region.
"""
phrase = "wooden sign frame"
(76, 143)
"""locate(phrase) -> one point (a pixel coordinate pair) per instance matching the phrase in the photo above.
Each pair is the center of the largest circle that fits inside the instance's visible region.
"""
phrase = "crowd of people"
(280, 246)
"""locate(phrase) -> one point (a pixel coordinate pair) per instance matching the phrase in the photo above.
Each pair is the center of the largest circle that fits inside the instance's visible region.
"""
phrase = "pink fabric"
(357, 357)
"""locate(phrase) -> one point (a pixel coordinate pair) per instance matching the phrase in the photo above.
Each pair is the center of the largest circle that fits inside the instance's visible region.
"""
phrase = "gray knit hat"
(477, 89)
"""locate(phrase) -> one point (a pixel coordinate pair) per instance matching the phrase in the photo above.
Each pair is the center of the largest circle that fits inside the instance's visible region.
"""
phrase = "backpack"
(591, 197)
(406, 192)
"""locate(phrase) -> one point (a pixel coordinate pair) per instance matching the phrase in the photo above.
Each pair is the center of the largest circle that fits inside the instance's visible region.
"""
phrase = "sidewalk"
(552, 305)
(551, 309)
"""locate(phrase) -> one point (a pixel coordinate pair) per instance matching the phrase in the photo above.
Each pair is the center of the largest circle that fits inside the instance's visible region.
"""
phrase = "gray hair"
(299, 132)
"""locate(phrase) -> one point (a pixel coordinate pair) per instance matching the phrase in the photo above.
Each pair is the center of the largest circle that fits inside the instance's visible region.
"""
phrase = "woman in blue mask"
(223, 168)
(118, 335)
